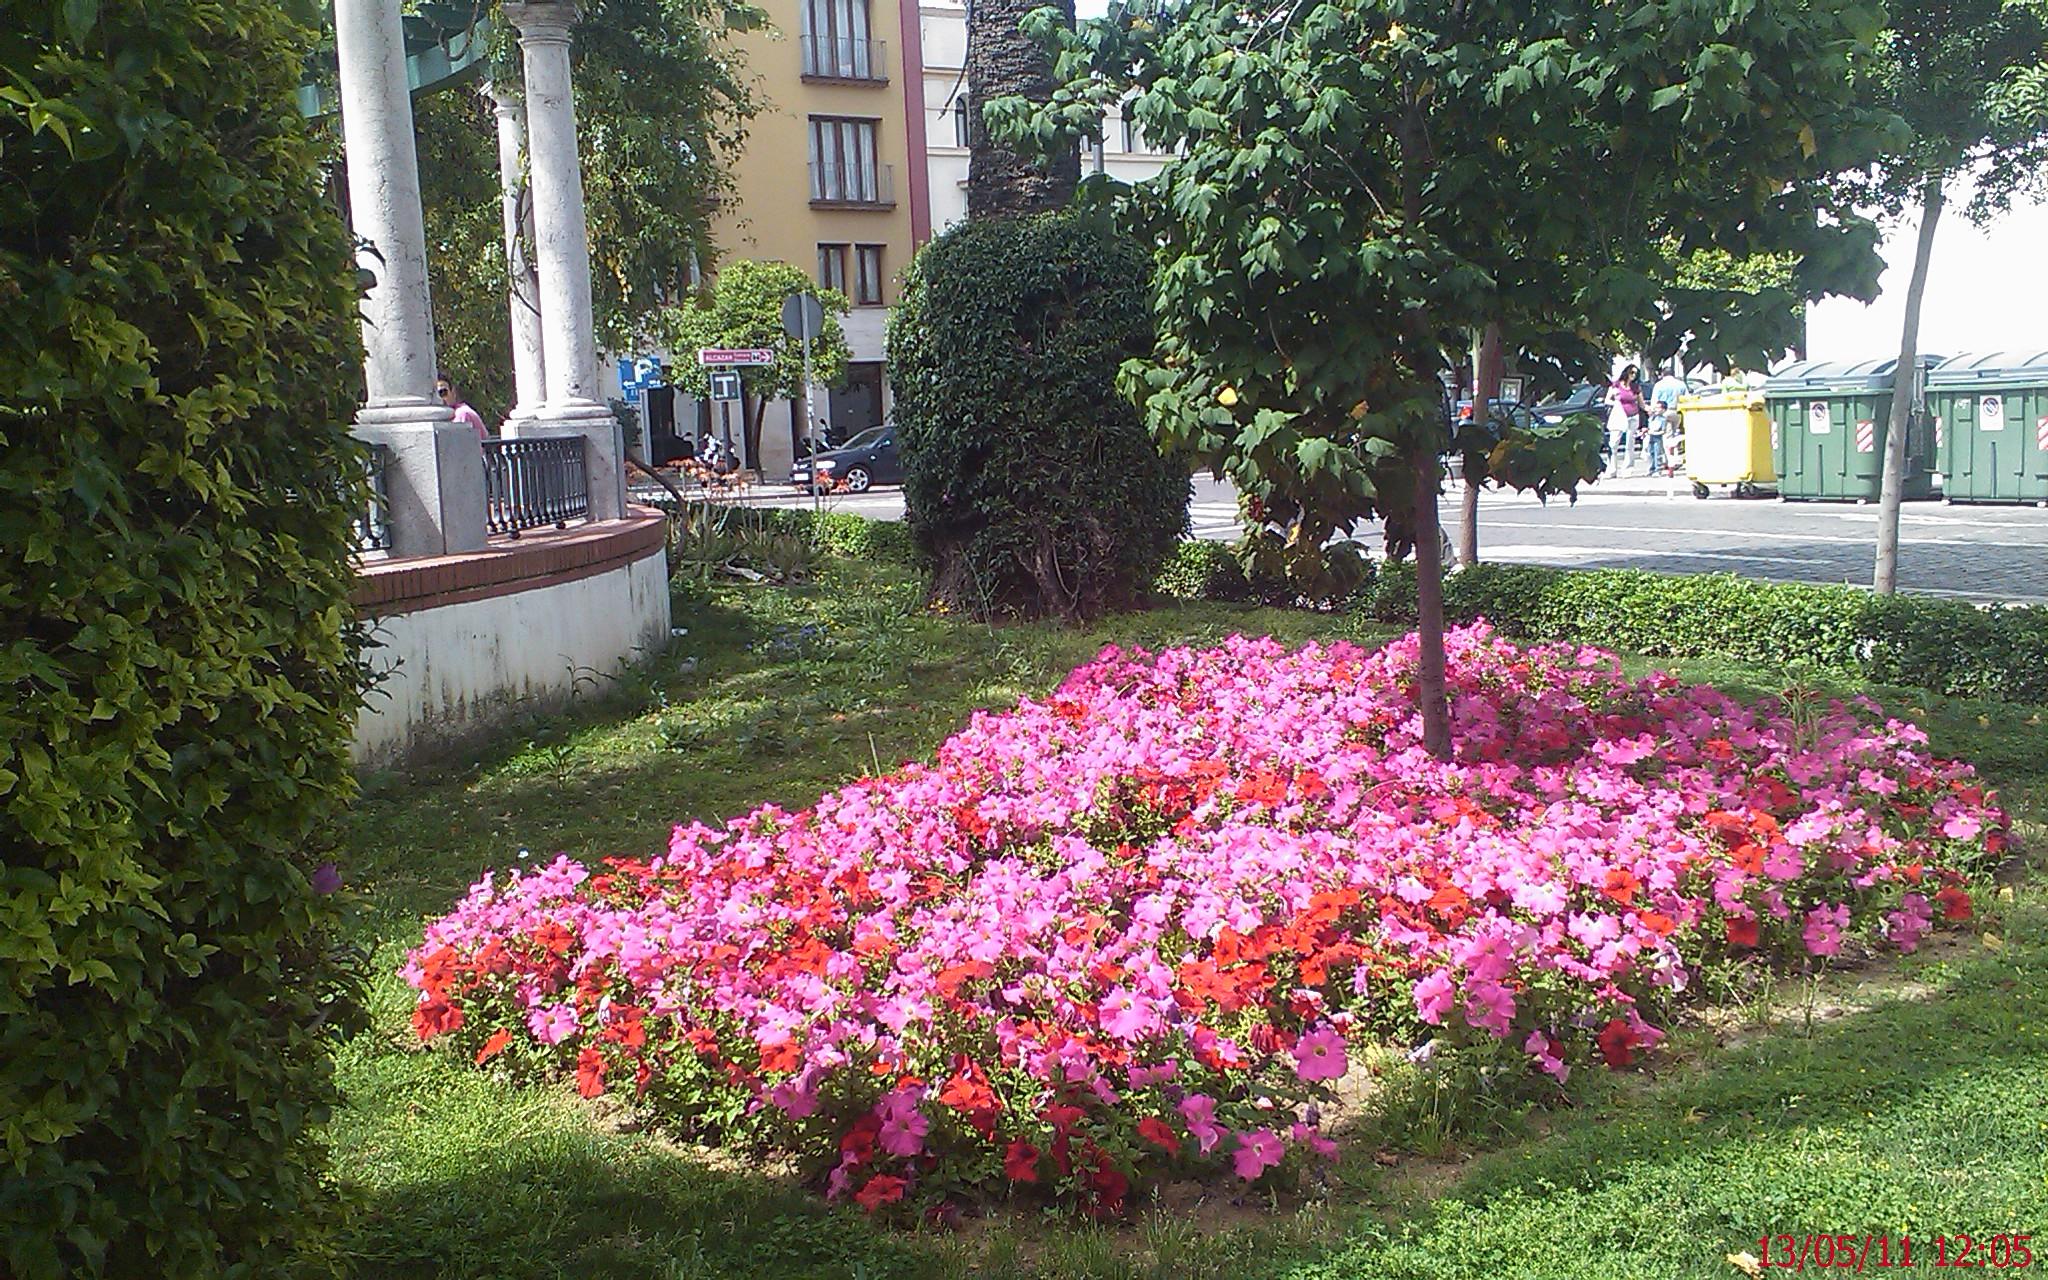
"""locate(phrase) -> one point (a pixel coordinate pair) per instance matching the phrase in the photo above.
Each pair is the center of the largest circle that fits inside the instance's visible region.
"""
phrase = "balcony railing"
(844, 58)
(373, 524)
(838, 188)
(534, 481)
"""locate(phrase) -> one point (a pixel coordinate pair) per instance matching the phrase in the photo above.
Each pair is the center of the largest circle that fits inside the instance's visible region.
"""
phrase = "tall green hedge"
(1030, 486)
(178, 674)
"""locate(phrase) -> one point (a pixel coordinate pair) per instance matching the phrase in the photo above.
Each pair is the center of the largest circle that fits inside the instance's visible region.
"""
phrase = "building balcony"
(838, 188)
(843, 60)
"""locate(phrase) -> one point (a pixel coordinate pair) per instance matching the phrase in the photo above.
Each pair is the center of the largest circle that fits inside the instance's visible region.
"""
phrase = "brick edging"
(540, 559)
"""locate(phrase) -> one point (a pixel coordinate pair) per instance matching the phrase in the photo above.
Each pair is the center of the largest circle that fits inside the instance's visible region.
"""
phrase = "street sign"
(638, 373)
(728, 357)
(725, 385)
(803, 316)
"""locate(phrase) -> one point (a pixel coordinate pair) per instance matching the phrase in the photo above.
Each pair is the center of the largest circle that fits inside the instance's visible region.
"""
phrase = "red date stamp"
(1997, 1252)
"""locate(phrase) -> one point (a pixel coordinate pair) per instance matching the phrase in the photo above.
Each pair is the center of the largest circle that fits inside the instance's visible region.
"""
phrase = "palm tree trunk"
(1904, 379)
(1002, 61)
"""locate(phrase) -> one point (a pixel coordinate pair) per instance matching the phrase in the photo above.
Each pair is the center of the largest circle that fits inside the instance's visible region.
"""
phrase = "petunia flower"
(1257, 1151)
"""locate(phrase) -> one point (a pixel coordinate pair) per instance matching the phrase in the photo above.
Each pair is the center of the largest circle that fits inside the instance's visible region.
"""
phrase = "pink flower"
(903, 1125)
(1307, 1135)
(551, 1024)
(1963, 826)
(1433, 997)
(1824, 925)
(1257, 1151)
(1199, 1110)
(1127, 1017)
(1548, 1054)
(1319, 1055)
(1911, 922)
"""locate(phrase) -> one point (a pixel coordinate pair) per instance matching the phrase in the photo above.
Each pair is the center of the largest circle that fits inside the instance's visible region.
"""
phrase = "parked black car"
(1587, 398)
(861, 463)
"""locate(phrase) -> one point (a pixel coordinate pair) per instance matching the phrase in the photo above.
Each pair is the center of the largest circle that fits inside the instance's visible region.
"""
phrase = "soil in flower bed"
(1137, 931)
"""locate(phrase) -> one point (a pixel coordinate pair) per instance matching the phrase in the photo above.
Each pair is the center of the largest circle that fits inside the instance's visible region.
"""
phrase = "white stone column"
(523, 293)
(434, 480)
(562, 244)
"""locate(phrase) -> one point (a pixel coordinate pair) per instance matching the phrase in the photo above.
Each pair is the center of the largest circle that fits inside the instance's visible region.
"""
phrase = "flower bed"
(1135, 927)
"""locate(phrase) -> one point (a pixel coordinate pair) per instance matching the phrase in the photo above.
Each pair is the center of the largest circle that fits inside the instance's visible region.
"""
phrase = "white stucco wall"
(450, 672)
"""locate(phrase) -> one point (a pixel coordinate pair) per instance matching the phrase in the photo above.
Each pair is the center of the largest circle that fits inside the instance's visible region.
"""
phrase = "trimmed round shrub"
(178, 663)
(1032, 488)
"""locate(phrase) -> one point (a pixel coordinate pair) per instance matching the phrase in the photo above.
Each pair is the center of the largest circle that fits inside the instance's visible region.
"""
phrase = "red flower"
(1657, 922)
(1748, 857)
(858, 1143)
(1741, 931)
(435, 1017)
(1955, 903)
(1063, 1116)
(786, 1056)
(969, 1089)
(1617, 1044)
(1020, 1161)
(1160, 1134)
(1110, 1187)
(1264, 787)
(1621, 885)
(883, 1188)
(589, 1073)
(493, 1046)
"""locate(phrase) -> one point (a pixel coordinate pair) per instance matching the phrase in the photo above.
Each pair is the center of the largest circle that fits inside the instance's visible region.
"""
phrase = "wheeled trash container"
(1991, 426)
(1728, 442)
(1831, 418)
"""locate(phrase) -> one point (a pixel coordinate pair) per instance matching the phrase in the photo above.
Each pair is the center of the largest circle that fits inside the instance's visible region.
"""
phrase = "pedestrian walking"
(451, 395)
(1624, 407)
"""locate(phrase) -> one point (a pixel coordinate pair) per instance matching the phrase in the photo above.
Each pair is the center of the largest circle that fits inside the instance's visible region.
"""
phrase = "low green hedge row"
(836, 533)
(1945, 646)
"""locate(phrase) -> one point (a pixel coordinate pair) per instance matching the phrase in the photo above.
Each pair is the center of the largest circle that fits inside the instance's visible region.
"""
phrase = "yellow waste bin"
(1728, 442)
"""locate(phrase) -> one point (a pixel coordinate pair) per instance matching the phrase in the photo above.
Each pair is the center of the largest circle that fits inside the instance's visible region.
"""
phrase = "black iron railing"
(844, 58)
(373, 523)
(534, 481)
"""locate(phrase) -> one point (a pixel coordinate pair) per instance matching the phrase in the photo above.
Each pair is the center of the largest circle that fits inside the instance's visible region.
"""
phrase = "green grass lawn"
(1911, 1099)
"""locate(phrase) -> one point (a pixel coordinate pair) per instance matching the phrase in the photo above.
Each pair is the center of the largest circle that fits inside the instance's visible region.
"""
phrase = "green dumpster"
(1991, 426)
(1828, 418)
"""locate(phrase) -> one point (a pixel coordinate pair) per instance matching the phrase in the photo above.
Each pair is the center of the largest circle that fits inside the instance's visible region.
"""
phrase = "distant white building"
(1987, 290)
(1124, 155)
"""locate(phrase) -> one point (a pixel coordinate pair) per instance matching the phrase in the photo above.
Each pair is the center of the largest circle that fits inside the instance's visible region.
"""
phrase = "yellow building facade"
(833, 180)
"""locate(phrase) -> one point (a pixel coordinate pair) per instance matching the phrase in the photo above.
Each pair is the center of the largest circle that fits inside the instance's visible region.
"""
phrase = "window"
(832, 266)
(843, 168)
(960, 119)
(867, 277)
(1134, 137)
(835, 41)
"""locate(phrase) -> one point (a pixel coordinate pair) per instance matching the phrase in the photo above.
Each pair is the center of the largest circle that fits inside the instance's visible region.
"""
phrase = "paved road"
(1977, 552)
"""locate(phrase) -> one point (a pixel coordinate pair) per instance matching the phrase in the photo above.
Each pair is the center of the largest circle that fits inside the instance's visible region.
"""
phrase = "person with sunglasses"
(451, 395)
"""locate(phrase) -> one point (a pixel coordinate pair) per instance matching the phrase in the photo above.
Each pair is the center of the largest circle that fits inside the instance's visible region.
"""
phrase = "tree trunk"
(1905, 379)
(751, 410)
(1487, 362)
(1002, 61)
(1429, 611)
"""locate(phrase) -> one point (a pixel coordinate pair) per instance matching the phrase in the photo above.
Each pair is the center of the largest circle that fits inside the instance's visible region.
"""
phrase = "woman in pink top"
(451, 395)
(1624, 407)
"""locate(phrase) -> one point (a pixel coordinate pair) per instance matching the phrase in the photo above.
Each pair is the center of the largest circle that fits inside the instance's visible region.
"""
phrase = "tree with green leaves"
(1330, 233)
(1970, 80)
(662, 103)
(743, 308)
